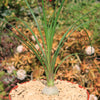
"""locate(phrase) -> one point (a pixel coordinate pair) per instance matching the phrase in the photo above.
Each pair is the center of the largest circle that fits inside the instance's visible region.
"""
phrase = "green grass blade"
(58, 13)
(69, 30)
(51, 20)
(44, 18)
(72, 26)
(36, 24)
(62, 62)
(33, 35)
(24, 37)
(59, 47)
(31, 48)
(51, 27)
(51, 30)
(53, 24)
(39, 57)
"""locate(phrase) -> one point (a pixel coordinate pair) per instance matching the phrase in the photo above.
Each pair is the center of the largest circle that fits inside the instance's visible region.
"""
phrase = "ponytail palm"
(46, 59)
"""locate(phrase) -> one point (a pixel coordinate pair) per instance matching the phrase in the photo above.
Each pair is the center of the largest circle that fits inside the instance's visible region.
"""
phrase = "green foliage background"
(72, 10)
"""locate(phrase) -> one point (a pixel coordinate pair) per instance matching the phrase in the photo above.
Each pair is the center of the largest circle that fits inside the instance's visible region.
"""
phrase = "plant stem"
(50, 80)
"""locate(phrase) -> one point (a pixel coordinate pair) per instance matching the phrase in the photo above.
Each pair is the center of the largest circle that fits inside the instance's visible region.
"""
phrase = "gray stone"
(50, 90)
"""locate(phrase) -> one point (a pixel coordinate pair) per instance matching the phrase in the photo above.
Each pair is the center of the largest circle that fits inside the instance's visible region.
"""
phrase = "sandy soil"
(32, 91)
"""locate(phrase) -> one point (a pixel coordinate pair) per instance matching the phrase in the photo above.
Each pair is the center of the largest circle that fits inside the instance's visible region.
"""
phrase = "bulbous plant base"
(32, 90)
(50, 90)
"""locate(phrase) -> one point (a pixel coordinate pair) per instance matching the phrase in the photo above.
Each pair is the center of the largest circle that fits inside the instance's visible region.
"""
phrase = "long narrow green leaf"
(63, 61)
(30, 47)
(51, 22)
(19, 32)
(45, 27)
(58, 13)
(43, 19)
(73, 25)
(55, 22)
(50, 31)
(36, 24)
(25, 38)
(58, 49)
(44, 15)
(61, 41)
(33, 35)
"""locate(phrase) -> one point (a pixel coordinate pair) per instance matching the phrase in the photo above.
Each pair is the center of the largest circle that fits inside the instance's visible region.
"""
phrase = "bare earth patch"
(32, 91)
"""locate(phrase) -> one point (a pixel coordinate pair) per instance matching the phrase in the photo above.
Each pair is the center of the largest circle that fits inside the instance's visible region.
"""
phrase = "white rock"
(19, 49)
(50, 90)
(21, 74)
(10, 69)
(89, 50)
(37, 47)
(93, 97)
(76, 68)
(33, 38)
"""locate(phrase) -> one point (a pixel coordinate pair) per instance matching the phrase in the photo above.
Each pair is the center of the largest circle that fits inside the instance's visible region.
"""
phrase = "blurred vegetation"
(72, 10)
